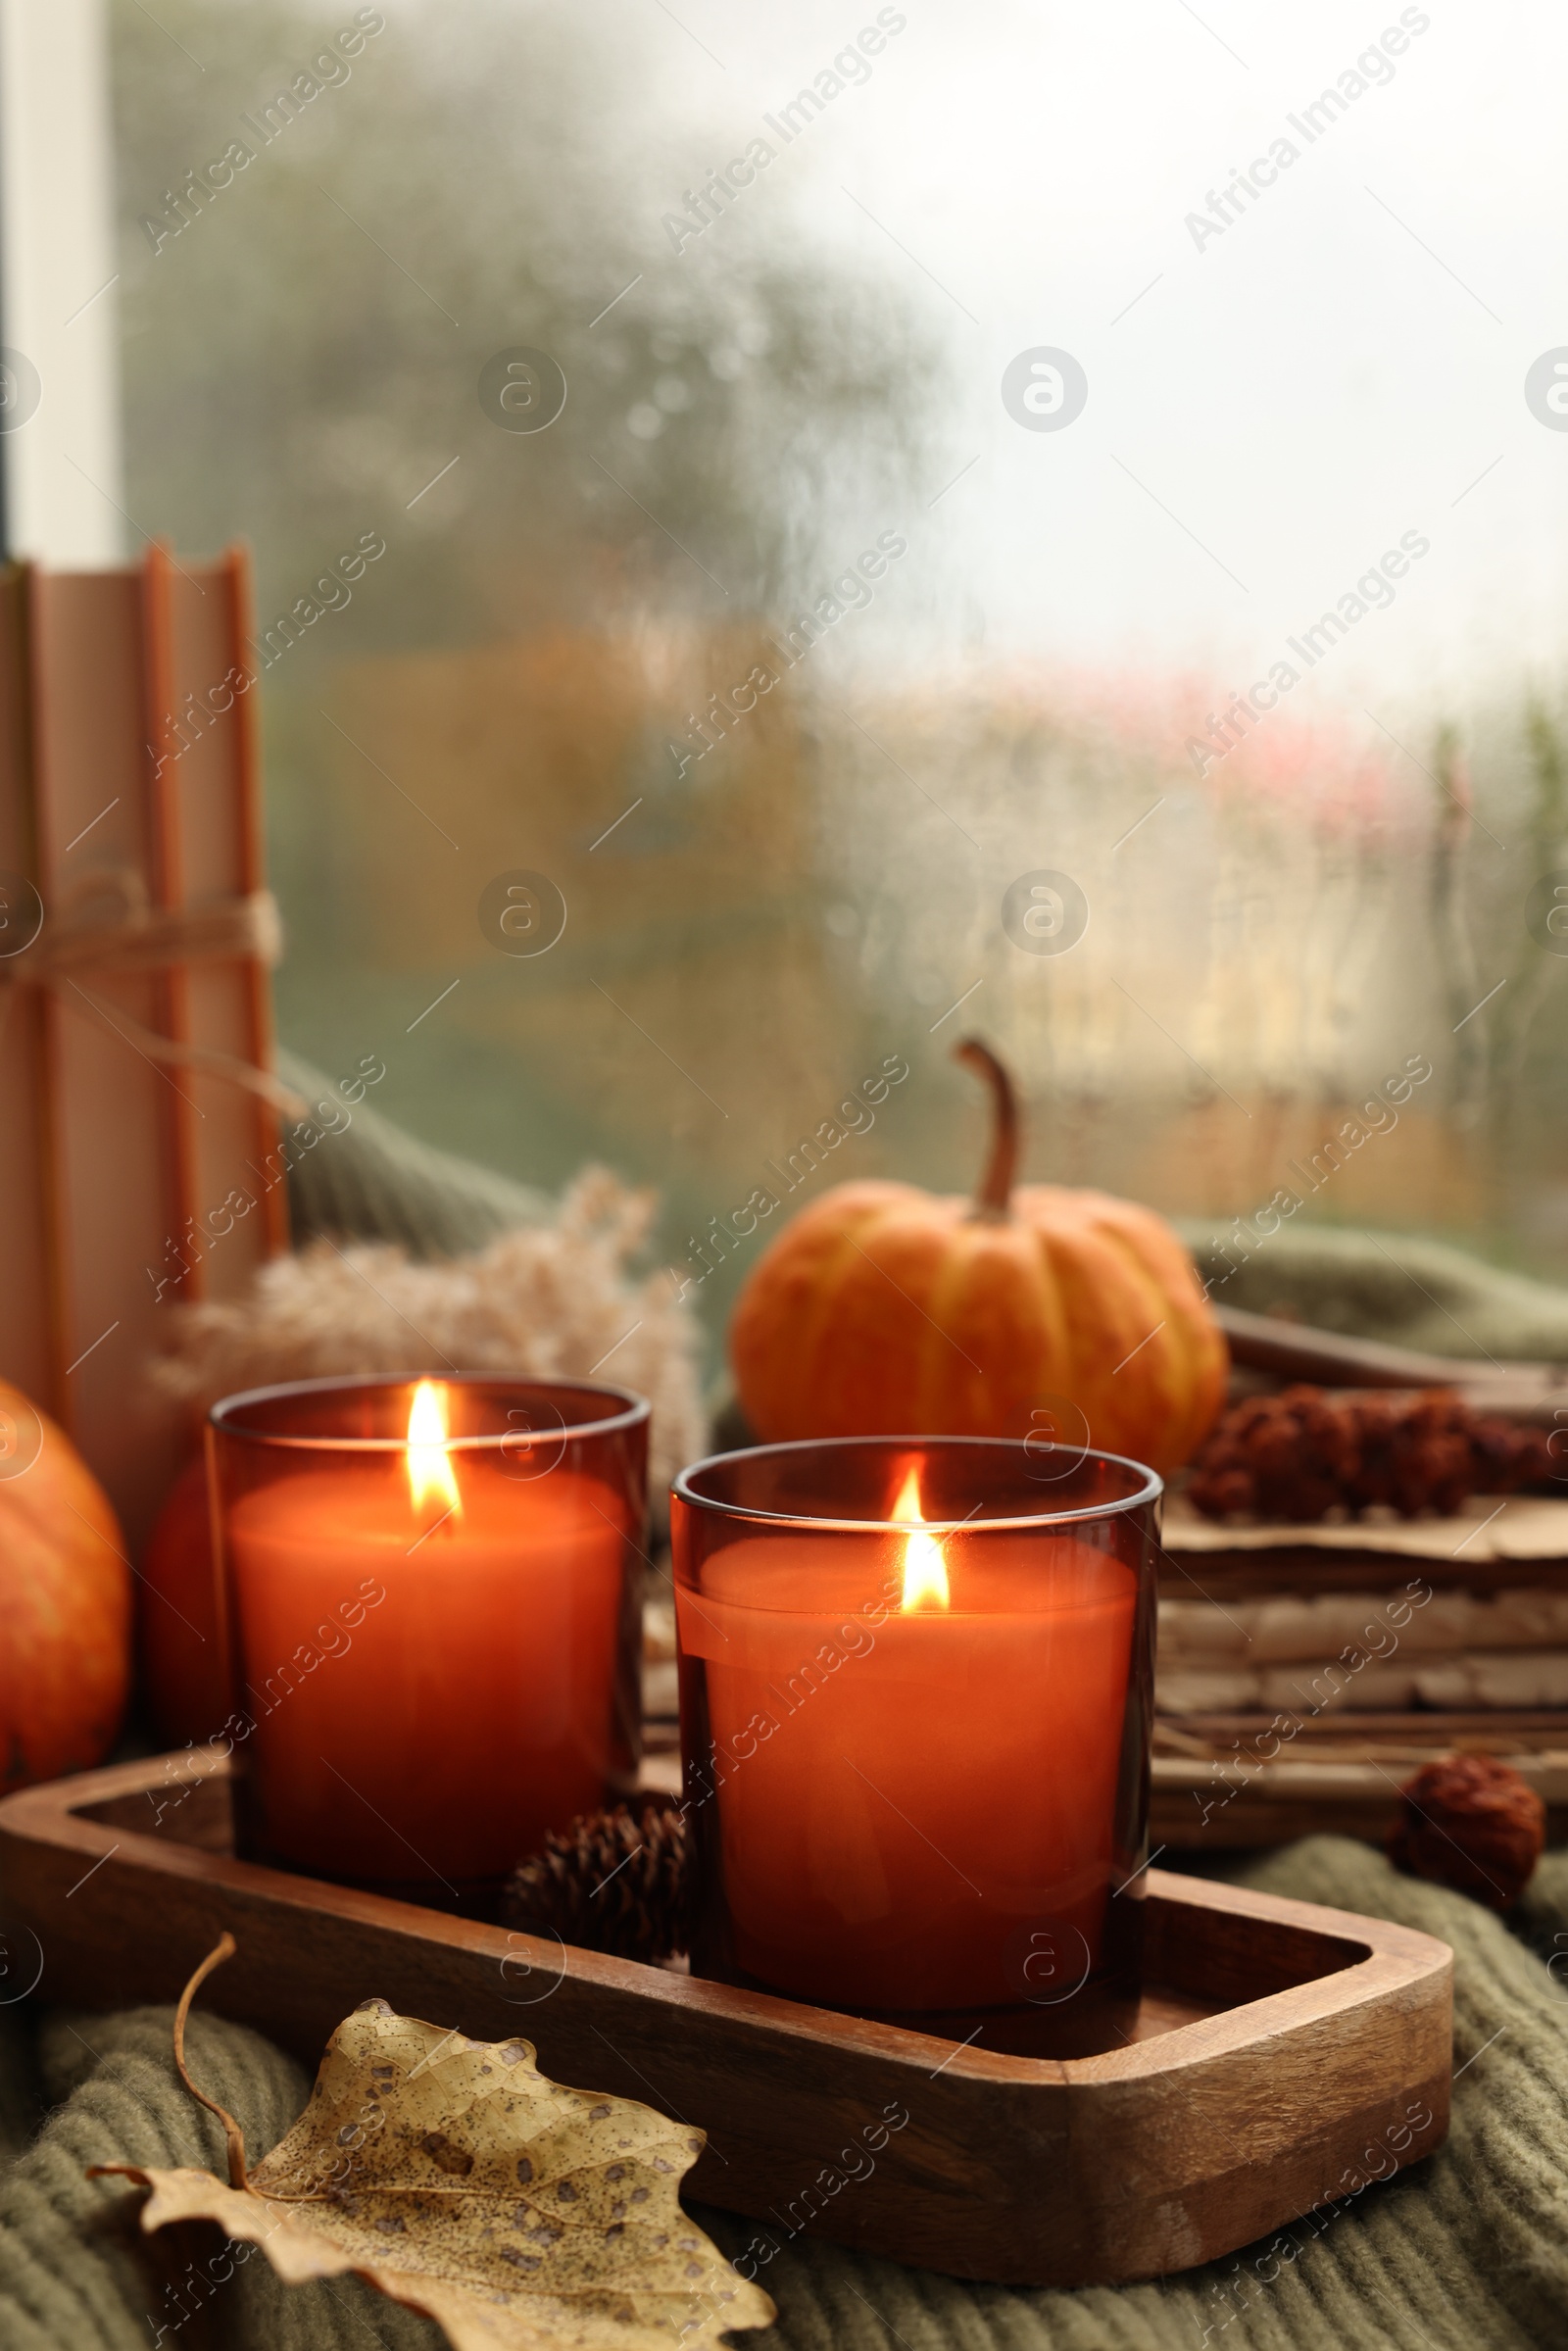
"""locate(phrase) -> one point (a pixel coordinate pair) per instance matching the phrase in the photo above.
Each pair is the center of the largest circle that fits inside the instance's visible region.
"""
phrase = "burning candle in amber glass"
(430, 1594)
(916, 1683)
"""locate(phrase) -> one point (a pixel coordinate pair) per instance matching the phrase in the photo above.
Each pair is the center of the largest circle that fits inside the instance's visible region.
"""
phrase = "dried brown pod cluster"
(1473, 1823)
(618, 1882)
(1295, 1457)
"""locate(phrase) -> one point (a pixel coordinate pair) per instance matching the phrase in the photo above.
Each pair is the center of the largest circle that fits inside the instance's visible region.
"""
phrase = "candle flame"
(431, 1475)
(925, 1572)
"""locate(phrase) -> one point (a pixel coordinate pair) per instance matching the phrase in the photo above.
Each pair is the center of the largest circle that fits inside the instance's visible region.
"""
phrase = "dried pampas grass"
(549, 1300)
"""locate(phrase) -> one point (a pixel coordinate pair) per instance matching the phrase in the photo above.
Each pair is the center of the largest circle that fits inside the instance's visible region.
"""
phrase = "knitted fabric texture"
(1466, 2252)
(1399, 1288)
(75, 2271)
(372, 1180)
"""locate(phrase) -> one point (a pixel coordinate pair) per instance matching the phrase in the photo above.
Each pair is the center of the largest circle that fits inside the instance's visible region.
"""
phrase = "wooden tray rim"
(1390, 1956)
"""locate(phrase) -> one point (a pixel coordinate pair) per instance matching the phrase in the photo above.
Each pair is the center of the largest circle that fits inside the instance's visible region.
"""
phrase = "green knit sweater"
(1467, 2252)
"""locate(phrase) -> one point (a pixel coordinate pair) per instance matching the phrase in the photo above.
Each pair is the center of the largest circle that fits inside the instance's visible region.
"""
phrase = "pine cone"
(1473, 1823)
(1293, 1457)
(616, 1881)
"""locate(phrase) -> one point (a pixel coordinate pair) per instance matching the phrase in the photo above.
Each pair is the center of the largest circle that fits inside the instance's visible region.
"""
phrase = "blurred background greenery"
(516, 684)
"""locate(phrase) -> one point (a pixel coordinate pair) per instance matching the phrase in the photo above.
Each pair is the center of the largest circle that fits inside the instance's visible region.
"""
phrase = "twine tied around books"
(110, 929)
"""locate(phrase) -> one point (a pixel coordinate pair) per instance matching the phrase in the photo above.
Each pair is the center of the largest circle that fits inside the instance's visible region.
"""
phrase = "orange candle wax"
(903, 1802)
(466, 1714)
(426, 1646)
(917, 1760)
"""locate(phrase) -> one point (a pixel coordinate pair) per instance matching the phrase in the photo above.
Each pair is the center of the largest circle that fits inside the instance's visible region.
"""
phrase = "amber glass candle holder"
(916, 1694)
(431, 1603)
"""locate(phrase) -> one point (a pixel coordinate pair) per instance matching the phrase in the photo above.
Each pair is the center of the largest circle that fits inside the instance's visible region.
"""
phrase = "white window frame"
(62, 494)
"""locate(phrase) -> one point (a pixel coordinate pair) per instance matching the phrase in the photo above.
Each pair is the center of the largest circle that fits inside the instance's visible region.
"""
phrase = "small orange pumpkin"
(65, 1604)
(882, 1310)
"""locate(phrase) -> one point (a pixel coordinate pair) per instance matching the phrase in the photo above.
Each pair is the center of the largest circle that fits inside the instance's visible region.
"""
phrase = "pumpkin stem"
(993, 1202)
(224, 1949)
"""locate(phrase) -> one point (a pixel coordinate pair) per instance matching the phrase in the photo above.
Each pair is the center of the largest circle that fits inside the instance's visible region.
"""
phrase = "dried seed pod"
(1295, 1457)
(1471, 1822)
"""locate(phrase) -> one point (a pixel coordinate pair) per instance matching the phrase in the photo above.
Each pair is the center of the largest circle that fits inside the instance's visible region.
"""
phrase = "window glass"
(785, 536)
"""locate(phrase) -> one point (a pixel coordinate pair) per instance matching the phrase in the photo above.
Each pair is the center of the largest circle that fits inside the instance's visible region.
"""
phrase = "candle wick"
(430, 1530)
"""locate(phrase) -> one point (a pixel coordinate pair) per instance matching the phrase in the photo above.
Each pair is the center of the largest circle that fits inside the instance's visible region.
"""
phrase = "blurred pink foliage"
(1345, 778)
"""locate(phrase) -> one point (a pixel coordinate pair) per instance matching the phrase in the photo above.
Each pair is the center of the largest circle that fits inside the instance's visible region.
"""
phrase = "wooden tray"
(1284, 2053)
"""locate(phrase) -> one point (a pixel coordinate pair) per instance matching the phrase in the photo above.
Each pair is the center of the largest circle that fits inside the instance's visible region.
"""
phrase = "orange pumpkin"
(882, 1310)
(65, 1604)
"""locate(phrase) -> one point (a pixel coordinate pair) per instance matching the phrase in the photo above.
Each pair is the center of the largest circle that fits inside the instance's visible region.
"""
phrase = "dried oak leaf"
(453, 2176)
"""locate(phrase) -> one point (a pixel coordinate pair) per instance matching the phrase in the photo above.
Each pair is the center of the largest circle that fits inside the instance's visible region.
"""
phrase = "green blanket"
(1395, 1286)
(1466, 2252)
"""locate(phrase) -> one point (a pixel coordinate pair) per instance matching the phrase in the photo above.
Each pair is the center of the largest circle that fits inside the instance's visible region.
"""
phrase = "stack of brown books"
(138, 1150)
